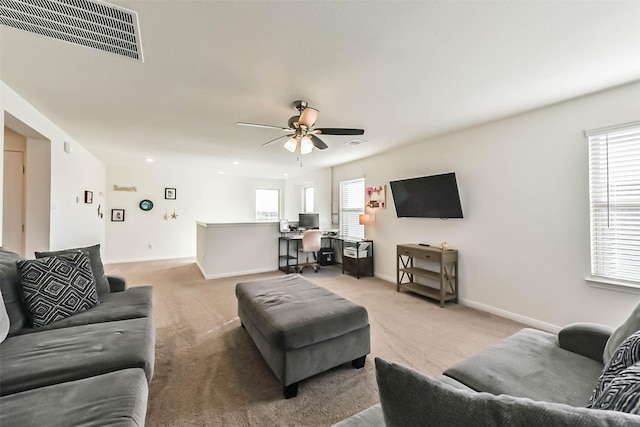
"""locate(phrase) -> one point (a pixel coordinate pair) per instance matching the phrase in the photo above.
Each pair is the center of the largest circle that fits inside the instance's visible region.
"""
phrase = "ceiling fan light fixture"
(291, 144)
(306, 145)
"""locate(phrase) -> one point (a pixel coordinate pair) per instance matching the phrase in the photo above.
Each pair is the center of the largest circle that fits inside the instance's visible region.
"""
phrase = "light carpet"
(208, 372)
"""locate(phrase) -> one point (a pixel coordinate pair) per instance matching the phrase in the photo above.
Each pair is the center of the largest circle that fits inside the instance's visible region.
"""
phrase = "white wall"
(70, 223)
(201, 196)
(321, 182)
(524, 241)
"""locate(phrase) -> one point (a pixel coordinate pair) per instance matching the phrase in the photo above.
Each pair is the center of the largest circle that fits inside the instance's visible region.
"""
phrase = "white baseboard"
(497, 311)
(145, 259)
(233, 273)
(509, 315)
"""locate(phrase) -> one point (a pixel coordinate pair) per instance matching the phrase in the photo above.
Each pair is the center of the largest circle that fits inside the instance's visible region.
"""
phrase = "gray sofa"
(92, 368)
(530, 378)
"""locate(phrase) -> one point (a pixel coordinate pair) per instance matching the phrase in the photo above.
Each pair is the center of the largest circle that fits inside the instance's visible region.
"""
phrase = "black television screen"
(309, 221)
(434, 196)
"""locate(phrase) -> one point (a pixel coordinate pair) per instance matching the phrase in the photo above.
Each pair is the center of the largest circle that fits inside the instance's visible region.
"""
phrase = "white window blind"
(351, 206)
(309, 196)
(614, 189)
(267, 204)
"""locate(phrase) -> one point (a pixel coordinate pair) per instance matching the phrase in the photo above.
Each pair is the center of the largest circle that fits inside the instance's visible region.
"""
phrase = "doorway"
(13, 202)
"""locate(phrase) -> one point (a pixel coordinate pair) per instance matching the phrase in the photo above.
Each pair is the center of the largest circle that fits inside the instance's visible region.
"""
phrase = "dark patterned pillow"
(622, 393)
(626, 355)
(57, 287)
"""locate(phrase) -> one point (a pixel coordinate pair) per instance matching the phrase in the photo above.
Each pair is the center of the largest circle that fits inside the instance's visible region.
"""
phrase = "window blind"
(614, 190)
(351, 206)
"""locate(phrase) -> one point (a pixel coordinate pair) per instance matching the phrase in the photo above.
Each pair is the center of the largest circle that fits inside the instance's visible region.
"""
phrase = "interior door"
(13, 202)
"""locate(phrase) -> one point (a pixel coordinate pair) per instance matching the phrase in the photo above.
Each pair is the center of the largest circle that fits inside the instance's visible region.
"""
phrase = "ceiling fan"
(302, 131)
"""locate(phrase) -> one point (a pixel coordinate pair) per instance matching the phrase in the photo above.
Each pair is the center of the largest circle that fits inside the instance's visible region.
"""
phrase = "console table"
(431, 263)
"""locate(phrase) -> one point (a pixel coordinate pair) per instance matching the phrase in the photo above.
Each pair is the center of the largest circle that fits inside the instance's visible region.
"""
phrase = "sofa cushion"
(10, 286)
(622, 393)
(630, 326)
(530, 364)
(102, 284)
(57, 287)
(131, 304)
(411, 399)
(46, 358)
(114, 399)
(627, 354)
(279, 308)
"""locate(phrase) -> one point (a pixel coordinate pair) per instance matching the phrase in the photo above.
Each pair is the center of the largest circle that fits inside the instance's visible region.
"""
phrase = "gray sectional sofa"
(530, 378)
(91, 368)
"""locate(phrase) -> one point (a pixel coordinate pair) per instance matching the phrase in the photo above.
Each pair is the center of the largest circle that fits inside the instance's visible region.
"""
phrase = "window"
(267, 204)
(309, 196)
(351, 206)
(614, 190)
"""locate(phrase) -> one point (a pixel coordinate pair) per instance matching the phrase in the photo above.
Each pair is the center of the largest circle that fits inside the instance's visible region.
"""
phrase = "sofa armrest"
(117, 283)
(586, 339)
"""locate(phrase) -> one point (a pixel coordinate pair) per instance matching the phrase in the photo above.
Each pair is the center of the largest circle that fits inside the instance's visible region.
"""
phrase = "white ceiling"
(403, 71)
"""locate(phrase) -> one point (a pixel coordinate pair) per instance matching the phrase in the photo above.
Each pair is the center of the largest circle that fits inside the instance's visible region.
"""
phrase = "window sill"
(613, 285)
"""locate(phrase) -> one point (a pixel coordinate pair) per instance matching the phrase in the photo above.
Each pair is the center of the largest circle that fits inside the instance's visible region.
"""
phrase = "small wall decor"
(146, 205)
(170, 193)
(375, 197)
(88, 197)
(100, 214)
(117, 215)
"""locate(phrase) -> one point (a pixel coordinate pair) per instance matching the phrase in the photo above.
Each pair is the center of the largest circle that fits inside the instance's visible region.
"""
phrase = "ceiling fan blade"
(256, 125)
(308, 117)
(338, 131)
(275, 139)
(317, 142)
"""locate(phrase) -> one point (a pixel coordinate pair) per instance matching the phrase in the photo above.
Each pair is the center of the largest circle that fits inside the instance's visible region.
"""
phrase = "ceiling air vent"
(88, 23)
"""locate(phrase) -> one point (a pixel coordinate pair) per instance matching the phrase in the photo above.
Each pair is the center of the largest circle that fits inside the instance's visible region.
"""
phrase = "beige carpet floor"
(209, 373)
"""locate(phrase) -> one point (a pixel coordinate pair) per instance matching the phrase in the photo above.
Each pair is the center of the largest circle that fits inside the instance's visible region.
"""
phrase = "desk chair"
(311, 242)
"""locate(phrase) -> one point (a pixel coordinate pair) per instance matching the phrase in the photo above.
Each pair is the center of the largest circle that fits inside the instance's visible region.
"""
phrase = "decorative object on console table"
(170, 193)
(357, 257)
(437, 265)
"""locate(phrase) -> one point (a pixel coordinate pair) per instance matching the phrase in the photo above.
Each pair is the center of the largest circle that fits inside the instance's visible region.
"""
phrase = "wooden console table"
(436, 265)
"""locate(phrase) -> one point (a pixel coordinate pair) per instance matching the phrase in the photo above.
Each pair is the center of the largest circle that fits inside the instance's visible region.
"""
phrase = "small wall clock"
(146, 205)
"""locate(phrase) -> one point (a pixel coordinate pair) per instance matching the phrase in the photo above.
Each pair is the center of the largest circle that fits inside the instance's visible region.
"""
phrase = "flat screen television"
(309, 221)
(434, 196)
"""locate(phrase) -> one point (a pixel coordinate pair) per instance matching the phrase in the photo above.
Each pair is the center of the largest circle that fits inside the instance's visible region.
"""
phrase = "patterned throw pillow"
(626, 355)
(622, 393)
(57, 287)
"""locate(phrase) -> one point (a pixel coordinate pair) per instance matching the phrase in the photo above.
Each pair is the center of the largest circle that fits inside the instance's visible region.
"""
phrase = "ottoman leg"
(359, 362)
(290, 390)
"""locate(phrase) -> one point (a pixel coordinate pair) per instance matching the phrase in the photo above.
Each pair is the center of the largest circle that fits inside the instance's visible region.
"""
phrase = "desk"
(359, 263)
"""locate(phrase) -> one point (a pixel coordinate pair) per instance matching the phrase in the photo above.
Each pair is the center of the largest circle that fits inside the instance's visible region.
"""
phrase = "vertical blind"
(351, 206)
(614, 189)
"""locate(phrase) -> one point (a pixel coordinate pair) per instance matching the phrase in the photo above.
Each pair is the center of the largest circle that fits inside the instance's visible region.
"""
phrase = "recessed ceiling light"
(235, 162)
(220, 173)
(286, 174)
(149, 160)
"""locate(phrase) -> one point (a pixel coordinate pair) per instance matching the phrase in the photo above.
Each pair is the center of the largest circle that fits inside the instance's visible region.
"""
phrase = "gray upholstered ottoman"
(302, 329)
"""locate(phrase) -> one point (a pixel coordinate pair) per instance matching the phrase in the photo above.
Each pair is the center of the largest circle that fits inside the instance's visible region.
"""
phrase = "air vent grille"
(88, 23)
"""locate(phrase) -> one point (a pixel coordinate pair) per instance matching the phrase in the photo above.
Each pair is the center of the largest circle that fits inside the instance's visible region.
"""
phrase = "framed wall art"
(88, 197)
(117, 215)
(170, 193)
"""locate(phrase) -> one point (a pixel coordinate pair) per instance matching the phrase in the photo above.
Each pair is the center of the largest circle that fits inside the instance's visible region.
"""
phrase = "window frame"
(268, 218)
(614, 198)
(349, 223)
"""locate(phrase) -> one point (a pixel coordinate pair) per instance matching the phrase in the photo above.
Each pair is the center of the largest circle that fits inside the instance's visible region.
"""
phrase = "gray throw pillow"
(631, 325)
(622, 393)
(5, 324)
(55, 288)
(102, 284)
(411, 399)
